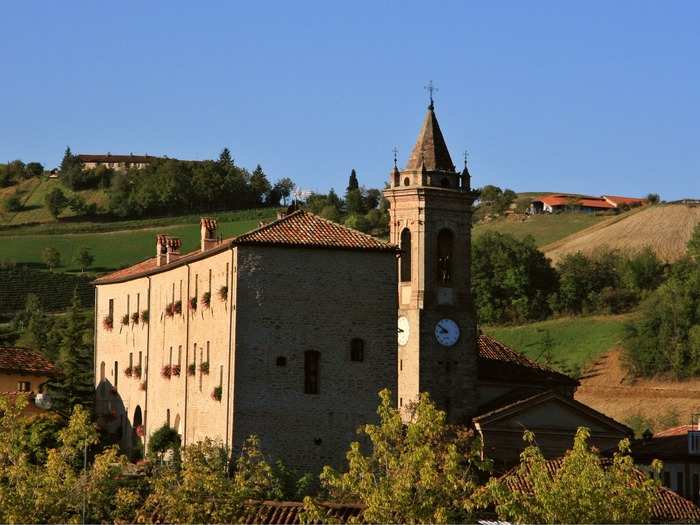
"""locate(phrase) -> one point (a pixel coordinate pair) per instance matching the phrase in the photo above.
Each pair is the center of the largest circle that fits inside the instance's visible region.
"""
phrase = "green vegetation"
(582, 490)
(568, 344)
(53, 288)
(544, 228)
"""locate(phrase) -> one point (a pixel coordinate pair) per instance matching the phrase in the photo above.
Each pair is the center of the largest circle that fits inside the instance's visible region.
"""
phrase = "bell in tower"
(430, 219)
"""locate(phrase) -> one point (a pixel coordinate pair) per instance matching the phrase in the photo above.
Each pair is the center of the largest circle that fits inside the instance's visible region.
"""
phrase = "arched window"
(357, 350)
(176, 426)
(102, 371)
(445, 244)
(407, 182)
(405, 261)
(312, 366)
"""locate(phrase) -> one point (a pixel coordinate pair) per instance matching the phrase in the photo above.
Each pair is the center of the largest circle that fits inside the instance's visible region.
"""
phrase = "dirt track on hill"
(607, 387)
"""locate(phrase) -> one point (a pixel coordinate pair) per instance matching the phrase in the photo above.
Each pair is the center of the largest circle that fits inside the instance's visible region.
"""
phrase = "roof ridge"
(354, 231)
(268, 225)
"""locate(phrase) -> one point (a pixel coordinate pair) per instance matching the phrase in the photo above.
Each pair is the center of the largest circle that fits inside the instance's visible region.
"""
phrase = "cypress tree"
(352, 181)
(75, 384)
(225, 158)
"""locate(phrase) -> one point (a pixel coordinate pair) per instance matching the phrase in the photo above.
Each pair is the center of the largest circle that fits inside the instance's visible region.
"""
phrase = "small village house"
(558, 203)
(25, 372)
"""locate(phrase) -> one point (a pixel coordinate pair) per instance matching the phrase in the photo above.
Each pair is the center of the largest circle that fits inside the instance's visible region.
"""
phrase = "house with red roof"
(25, 372)
(557, 203)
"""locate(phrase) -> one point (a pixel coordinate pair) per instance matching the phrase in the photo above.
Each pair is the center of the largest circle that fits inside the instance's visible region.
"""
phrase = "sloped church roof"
(430, 149)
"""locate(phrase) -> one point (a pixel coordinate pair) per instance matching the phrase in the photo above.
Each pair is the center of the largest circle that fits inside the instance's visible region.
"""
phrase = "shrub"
(223, 293)
(137, 372)
(163, 439)
(217, 393)
(191, 369)
(206, 299)
(170, 310)
(204, 367)
(166, 371)
(175, 370)
(193, 303)
(13, 203)
(125, 320)
(135, 318)
(108, 323)
(177, 307)
(144, 316)
(129, 371)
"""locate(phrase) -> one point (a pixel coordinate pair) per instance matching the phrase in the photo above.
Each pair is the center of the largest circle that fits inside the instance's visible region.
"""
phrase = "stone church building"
(289, 332)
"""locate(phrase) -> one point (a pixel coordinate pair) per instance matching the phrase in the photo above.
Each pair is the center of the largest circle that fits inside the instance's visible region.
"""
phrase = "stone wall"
(294, 300)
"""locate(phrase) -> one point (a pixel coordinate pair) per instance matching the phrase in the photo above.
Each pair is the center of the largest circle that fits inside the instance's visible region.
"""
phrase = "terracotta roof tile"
(499, 362)
(289, 512)
(668, 507)
(305, 229)
(26, 361)
(135, 269)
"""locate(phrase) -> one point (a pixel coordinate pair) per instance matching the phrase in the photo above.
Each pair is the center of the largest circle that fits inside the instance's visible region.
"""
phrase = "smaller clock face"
(404, 330)
(447, 332)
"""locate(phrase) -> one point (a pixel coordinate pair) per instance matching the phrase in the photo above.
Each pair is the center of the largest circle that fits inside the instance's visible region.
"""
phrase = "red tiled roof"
(563, 200)
(617, 200)
(305, 229)
(289, 512)
(596, 203)
(24, 361)
(135, 269)
(668, 507)
(499, 362)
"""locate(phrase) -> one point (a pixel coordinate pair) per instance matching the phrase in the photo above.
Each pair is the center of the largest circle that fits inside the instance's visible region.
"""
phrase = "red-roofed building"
(24, 372)
(564, 202)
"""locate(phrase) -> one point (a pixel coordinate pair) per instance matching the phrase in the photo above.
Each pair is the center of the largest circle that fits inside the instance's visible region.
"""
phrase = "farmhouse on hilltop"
(116, 162)
(289, 332)
(563, 202)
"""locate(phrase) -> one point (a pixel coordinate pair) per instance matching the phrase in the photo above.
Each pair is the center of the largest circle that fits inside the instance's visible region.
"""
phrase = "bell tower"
(430, 208)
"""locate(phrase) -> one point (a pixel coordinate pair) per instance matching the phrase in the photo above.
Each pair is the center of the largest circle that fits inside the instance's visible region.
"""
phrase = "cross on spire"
(466, 157)
(431, 89)
(396, 153)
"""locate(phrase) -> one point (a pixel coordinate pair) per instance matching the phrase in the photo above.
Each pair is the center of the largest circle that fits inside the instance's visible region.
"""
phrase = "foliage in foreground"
(583, 490)
(424, 471)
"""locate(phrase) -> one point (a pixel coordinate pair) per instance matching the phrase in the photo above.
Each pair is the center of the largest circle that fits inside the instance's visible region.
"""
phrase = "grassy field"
(32, 194)
(117, 249)
(544, 228)
(573, 342)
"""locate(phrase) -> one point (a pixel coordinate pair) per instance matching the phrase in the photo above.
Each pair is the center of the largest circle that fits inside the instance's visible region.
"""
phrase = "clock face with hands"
(447, 332)
(403, 330)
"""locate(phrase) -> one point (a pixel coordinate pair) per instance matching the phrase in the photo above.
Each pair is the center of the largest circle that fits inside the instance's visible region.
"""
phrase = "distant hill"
(665, 228)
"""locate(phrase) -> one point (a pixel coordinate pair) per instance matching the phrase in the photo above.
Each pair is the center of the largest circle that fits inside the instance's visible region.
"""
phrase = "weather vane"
(466, 157)
(396, 153)
(431, 89)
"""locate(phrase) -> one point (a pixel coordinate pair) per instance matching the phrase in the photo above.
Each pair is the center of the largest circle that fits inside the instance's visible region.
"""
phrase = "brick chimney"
(173, 249)
(208, 233)
(161, 249)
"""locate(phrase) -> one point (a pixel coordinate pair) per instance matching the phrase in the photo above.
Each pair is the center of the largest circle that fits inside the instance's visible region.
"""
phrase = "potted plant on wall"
(175, 370)
(108, 323)
(204, 367)
(129, 371)
(166, 371)
(135, 318)
(206, 299)
(191, 369)
(177, 307)
(143, 386)
(144, 316)
(125, 320)
(137, 372)
(223, 293)
(193, 303)
(217, 393)
(170, 310)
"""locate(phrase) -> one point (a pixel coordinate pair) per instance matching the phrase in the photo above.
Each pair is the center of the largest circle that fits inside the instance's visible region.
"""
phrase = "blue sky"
(590, 97)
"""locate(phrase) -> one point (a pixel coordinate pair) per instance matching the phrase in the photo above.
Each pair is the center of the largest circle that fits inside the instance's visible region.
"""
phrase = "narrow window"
(102, 371)
(221, 375)
(209, 281)
(138, 302)
(116, 373)
(170, 357)
(357, 349)
(196, 284)
(400, 365)
(128, 297)
(445, 240)
(405, 268)
(179, 355)
(24, 386)
(207, 351)
(140, 360)
(201, 373)
(312, 360)
(131, 360)
(226, 283)
(401, 401)
(679, 483)
(111, 308)
(167, 417)
(281, 360)
(173, 299)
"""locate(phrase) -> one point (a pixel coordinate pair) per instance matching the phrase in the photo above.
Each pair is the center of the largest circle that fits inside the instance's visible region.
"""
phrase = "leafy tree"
(585, 488)
(353, 184)
(34, 169)
(331, 213)
(16, 170)
(75, 384)
(694, 244)
(84, 258)
(225, 158)
(56, 201)
(372, 198)
(354, 202)
(34, 324)
(13, 203)
(163, 439)
(665, 337)
(653, 198)
(77, 204)
(5, 177)
(334, 200)
(285, 187)
(643, 271)
(423, 471)
(51, 257)
(259, 184)
(68, 159)
(582, 278)
(358, 222)
(490, 193)
(511, 279)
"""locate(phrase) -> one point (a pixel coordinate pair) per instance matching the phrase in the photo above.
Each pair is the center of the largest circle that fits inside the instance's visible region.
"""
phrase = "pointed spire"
(430, 149)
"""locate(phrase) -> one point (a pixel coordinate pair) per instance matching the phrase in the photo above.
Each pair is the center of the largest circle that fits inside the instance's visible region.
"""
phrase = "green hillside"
(545, 228)
(568, 344)
(116, 249)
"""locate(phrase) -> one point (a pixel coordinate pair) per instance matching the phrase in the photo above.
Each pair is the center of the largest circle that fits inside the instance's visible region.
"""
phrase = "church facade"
(289, 332)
